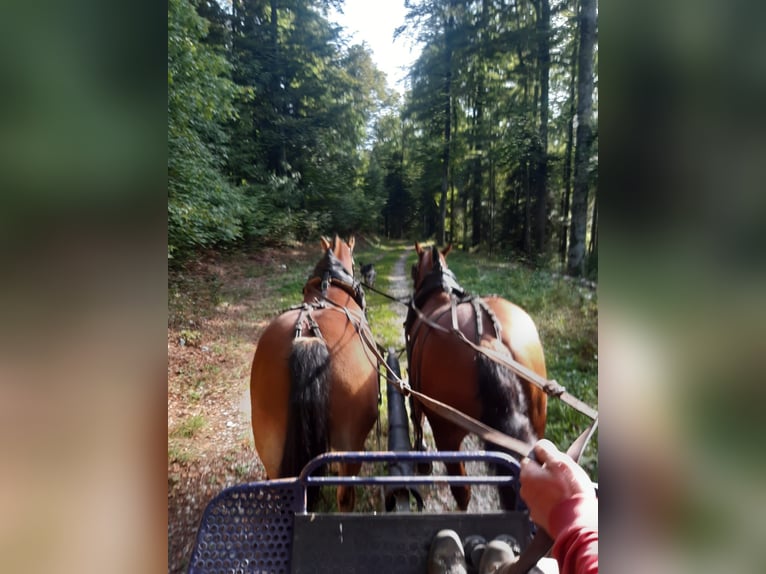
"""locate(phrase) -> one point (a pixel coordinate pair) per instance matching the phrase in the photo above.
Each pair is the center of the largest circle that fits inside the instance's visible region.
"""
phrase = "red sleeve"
(574, 527)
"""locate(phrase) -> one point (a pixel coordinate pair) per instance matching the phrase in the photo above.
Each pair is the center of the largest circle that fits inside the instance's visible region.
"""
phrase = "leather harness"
(328, 272)
(442, 279)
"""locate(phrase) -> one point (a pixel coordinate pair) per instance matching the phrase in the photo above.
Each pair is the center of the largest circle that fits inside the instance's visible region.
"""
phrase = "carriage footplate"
(388, 542)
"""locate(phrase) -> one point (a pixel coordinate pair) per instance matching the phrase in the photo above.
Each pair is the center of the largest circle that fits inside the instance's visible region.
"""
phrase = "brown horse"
(314, 383)
(447, 369)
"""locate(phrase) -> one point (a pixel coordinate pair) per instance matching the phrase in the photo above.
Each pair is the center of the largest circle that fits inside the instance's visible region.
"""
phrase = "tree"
(584, 138)
(435, 21)
(203, 208)
(543, 24)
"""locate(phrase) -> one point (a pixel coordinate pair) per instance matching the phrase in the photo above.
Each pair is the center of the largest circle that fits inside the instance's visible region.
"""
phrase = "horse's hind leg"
(416, 416)
(449, 437)
(419, 444)
(346, 495)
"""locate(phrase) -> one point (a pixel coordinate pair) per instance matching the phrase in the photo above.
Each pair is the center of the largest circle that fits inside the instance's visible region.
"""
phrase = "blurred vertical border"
(83, 116)
(683, 306)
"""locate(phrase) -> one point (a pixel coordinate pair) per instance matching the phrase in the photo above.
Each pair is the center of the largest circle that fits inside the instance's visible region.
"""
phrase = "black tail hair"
(503, 408)
(307, 418)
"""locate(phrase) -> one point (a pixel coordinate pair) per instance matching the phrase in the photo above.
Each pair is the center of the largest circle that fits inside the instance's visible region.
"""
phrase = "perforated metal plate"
(248, 529)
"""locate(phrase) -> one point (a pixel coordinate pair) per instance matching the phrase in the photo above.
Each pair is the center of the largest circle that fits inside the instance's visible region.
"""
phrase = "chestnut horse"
(314, 384)
(447, 369)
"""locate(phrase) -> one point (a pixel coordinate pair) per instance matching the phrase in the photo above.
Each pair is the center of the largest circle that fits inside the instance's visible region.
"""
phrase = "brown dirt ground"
(210, 348)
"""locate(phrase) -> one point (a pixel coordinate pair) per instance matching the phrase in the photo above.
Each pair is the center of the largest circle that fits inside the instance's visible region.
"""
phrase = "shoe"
(446, 555)
(497, 555)
(510, 541)
(473, 548)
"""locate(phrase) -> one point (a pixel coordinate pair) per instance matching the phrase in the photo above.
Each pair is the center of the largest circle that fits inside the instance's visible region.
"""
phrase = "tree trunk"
(568, 163)
(492, 195)
(576, 262)
(478, 179)
(452, 213)
(447, 130)
(593, 246)
(277, 159)
(464, 194)
(527, 245)
(541, 168)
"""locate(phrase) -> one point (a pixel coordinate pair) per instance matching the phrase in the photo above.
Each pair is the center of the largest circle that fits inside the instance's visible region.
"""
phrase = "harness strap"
(461, 419)
(305, 316)
(325, 283)
(550, 387)
(479, 323)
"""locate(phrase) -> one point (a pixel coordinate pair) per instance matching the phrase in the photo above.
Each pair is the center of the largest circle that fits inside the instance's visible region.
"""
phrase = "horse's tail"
(504, 407)
(307, 417)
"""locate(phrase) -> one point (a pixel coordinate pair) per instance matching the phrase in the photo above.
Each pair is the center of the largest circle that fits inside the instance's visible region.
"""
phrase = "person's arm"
(561, 500)
(576, 541)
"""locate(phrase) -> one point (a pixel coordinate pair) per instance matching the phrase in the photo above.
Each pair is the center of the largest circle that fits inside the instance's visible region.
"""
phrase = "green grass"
(189, 427)
(386, 325)
(176, 453)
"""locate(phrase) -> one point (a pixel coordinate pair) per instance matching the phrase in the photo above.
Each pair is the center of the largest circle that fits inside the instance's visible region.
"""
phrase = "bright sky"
(374, 22)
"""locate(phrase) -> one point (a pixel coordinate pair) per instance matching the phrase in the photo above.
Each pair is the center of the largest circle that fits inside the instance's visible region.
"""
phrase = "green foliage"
(203, 208)
(277, 212)
(190, 338)
(280, 129)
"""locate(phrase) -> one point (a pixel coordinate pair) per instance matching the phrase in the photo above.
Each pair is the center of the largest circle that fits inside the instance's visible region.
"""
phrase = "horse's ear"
(351, 242)
(418, 248)
(325, 243)
(447, 250)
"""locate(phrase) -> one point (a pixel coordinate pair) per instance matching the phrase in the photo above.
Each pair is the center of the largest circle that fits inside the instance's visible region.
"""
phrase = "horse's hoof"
(424, 468)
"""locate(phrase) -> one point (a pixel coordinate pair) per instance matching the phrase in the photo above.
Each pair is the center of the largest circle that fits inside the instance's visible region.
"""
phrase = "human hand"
(550, 480)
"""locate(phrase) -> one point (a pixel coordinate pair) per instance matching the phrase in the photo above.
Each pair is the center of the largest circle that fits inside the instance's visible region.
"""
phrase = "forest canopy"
(280, 128)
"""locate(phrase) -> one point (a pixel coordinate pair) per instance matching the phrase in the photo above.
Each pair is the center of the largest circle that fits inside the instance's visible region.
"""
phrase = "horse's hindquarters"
(270, 391)
(351, 380)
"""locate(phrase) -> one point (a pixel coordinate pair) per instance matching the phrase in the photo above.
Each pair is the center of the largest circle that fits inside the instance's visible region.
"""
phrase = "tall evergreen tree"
(576, 259)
